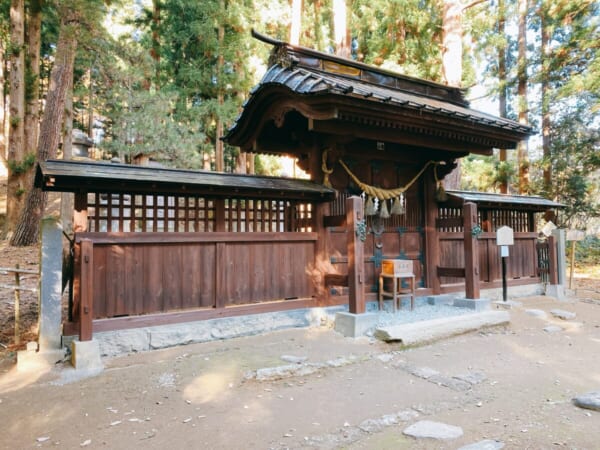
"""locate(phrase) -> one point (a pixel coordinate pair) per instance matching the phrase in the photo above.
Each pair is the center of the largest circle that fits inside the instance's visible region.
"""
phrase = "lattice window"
(169, 213)
(519, 221)
(150, 213)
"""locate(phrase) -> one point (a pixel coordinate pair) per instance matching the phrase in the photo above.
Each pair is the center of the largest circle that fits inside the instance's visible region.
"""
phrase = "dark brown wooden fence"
(136, 274)
(522, 263)
(522, 266)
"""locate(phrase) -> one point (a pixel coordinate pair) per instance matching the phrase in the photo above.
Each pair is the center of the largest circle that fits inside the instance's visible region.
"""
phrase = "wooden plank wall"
(145, 273)
(521, 263)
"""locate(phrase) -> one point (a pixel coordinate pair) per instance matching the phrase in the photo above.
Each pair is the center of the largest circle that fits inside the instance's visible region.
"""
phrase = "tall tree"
(452, 56)
(340, 28)
(17, 163)
(27, 230)
(522, 149)
(452, 43)
(4, 44)
(502, 82)
(296, 22)
(33, 36)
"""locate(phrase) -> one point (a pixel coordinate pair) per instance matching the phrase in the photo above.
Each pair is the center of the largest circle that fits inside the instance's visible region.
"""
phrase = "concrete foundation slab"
(426, 331)
(557, 291)
(85, 355)
(509, 304)
(354, 325)
(477, 304)
(444, 299)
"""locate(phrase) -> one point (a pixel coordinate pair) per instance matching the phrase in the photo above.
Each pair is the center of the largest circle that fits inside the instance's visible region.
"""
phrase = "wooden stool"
(389, 271)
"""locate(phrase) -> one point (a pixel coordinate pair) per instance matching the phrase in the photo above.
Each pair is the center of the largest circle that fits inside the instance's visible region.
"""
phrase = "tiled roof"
(76, 176)
(486, 197)
(302, 80)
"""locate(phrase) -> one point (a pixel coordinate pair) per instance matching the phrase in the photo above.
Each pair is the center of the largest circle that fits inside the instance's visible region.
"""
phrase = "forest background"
(166, 78)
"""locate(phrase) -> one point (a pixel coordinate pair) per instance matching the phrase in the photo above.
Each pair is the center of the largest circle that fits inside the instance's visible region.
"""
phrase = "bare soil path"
(520, 383)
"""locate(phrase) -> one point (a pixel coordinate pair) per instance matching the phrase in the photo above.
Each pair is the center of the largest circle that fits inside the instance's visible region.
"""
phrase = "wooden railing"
(17, 288)
(125, 280)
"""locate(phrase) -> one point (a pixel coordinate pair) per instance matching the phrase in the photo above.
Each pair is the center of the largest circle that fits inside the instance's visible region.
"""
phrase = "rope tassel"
(398, 206)
(383, 212)
(370, 207)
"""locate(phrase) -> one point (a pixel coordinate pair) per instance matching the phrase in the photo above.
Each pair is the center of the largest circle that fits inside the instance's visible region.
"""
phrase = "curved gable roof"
(323, 88)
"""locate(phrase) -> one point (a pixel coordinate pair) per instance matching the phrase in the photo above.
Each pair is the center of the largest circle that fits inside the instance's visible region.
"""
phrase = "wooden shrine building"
(158, 246)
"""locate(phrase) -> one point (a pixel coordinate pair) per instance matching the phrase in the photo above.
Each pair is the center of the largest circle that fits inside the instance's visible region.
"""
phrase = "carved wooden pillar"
(356, 265)
(471, 251)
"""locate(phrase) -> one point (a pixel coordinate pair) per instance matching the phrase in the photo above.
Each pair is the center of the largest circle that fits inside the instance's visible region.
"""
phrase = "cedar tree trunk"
(50, 131)
(16, 136)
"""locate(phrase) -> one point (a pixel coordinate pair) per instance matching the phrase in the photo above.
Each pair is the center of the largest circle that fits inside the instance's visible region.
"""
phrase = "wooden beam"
(455, 272)
(472, 289)
(80, 215)
(86, 307)
(356, 267)
(398, 136)
(206, 237)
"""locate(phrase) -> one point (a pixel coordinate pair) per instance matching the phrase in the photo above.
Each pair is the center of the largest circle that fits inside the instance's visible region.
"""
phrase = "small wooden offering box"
(396, 266)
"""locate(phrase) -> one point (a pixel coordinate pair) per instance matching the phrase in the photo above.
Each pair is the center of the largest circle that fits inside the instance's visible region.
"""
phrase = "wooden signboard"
(505, 236)
(575, 235)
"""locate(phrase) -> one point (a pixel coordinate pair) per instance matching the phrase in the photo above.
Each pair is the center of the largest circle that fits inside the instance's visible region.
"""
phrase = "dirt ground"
(197, 396)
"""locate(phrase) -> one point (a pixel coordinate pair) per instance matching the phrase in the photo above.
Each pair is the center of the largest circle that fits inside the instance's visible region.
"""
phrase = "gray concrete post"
(561, 252)
(558, 290)
(50, 319)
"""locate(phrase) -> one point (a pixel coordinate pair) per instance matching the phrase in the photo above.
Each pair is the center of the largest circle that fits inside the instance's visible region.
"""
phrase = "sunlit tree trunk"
(66, 198)
(341, 32)
(90, 104)
(219, 147)
(544, 51)
(155, 51)
(16, 137)
(3, 105)
(452, 64)
(296, 25)
(502, 81)
(50, 130)
(522, 151)
(32, 68)
(452, 43)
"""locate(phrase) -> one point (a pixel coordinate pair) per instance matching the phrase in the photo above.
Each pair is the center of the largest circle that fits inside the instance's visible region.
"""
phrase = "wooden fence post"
(87, 290)
(356, 265)
(471, 251)
(432, 240)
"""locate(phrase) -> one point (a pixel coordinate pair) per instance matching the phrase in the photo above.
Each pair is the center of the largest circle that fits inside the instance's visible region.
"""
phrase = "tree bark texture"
(522, 150)
(452, 65)
(219, 146)
(452, 43)
(32, 68)
(27, 231)
(546, 121)
(3, 104)
(341, 32)
(66, 198)
(16, 137)
(296, 25)
(502, 81)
